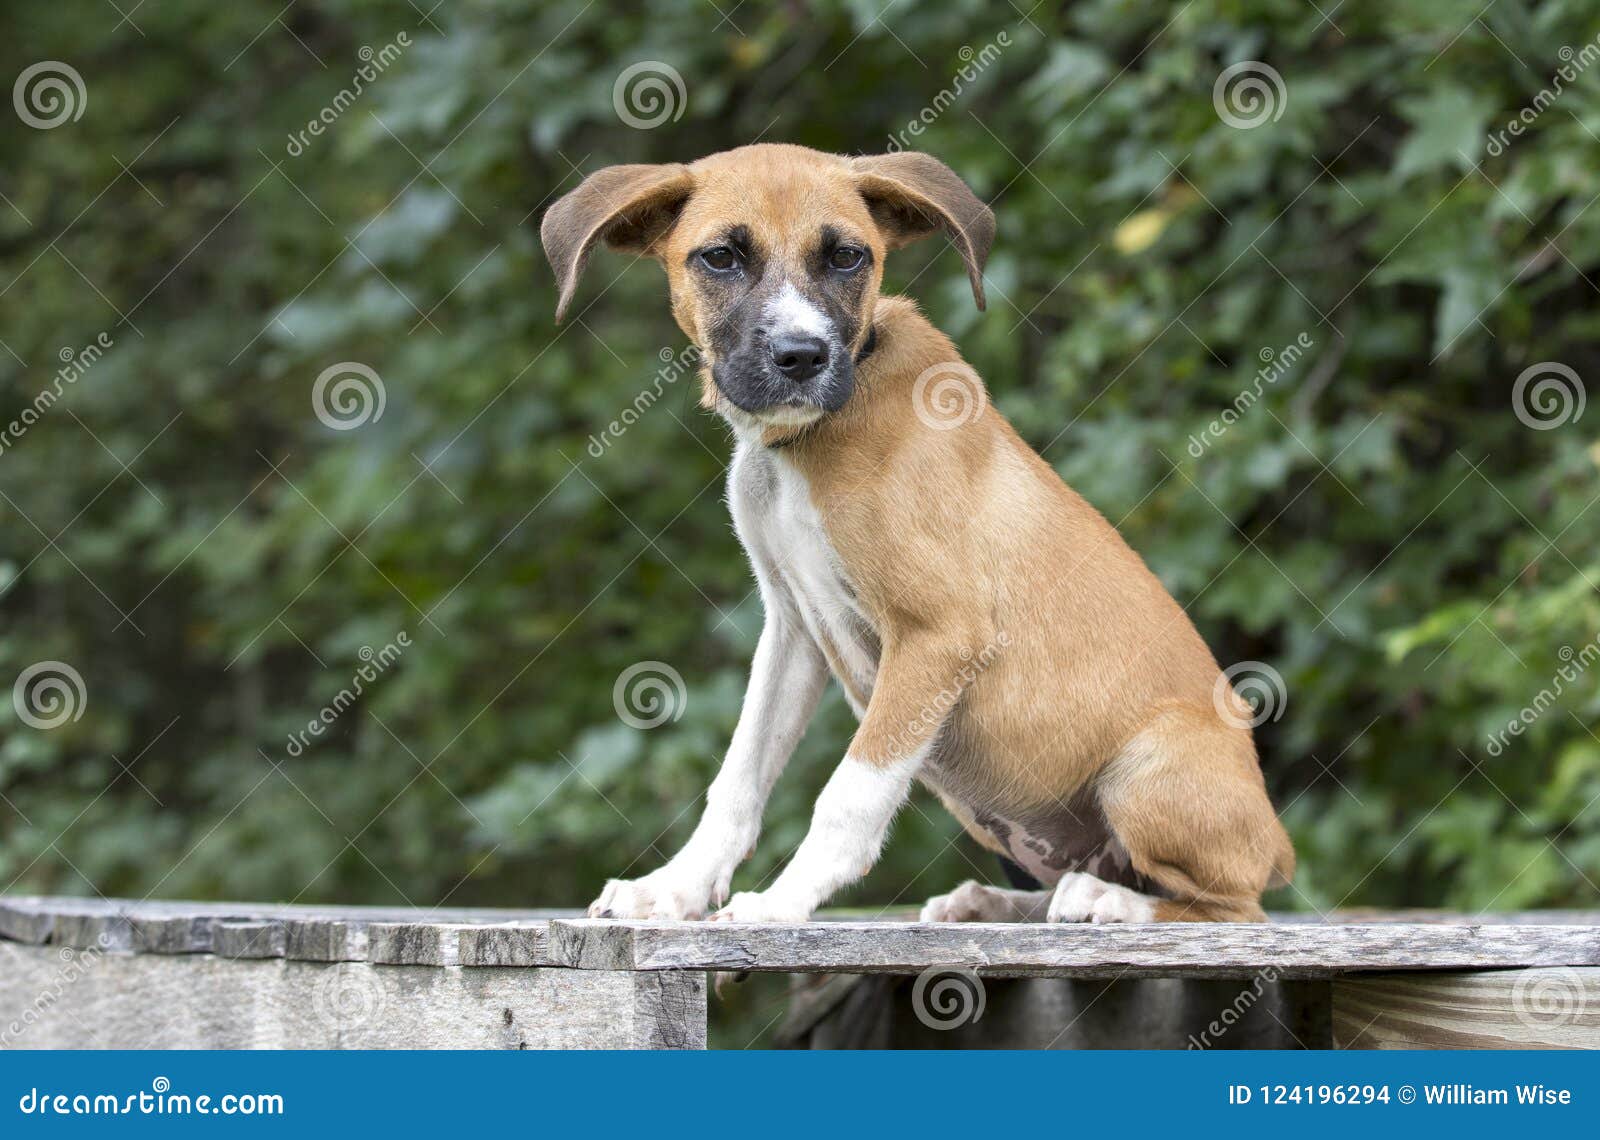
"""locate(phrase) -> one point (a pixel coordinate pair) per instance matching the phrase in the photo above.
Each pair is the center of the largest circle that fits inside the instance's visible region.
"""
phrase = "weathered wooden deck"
(91, 972)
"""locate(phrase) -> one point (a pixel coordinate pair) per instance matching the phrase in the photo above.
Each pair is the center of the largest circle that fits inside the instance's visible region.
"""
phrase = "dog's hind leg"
(974, 902)
(1186, 799)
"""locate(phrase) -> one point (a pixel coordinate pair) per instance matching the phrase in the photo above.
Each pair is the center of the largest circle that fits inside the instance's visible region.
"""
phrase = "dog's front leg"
(918, 682)
(786, 679)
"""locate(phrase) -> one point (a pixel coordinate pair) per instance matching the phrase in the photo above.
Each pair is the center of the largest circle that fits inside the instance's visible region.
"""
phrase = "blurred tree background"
(1392, 526)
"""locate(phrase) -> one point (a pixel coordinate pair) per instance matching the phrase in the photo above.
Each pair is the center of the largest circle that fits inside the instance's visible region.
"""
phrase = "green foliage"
(1380, 526)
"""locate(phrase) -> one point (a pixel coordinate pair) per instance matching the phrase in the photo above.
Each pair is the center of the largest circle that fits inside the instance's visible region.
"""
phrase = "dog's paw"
(653, 896)
(1083, 898)
(761, 906)
(967, 903)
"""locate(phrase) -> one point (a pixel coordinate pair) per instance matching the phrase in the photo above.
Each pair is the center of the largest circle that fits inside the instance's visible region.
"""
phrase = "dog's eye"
(846, 258)
(719, 258)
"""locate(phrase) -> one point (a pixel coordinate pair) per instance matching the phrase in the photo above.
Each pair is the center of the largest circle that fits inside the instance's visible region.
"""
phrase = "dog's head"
(775, 256)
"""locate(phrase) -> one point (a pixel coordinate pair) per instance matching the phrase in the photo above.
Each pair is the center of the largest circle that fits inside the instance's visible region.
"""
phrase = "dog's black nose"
(800, 357)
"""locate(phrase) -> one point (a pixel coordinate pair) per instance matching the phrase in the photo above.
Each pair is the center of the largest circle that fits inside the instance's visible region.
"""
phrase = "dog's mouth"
(796, 413)
(776, 401)
(789, 415)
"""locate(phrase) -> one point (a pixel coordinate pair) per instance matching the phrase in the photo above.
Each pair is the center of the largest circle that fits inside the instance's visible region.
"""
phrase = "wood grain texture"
(504, 944)
(1542, 1008)
(383, 935)
(57, 997)
(1300, 950)
(248, 938)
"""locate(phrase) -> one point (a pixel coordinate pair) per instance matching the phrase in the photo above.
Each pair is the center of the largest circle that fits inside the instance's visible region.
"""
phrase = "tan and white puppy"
(996, 637)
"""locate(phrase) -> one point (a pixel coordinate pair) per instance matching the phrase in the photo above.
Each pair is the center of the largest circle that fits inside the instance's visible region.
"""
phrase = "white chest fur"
(797, 566)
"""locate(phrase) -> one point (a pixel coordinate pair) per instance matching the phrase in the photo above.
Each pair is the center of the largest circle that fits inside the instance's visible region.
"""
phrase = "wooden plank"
(484, 938)
(325, 939)
(1419, 916)
(248, 938)
(413, 943)
(22, 921)
(405, 936)
(59, 998)
(507, 944)
(172, 934)
(1543, 1008)
(1215, 950)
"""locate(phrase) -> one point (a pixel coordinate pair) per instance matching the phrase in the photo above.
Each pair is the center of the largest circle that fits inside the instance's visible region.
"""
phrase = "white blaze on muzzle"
(790, 314)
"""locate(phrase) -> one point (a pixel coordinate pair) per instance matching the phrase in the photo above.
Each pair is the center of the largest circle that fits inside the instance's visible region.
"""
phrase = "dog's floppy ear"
(627, 207)
(911, 195)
